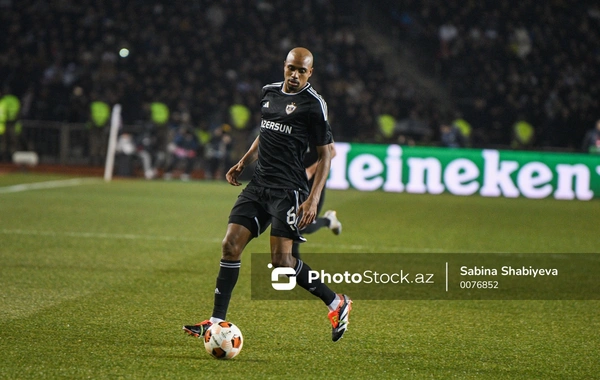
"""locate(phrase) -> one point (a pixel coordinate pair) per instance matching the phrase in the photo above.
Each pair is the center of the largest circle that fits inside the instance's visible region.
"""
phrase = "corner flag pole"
(115, 123)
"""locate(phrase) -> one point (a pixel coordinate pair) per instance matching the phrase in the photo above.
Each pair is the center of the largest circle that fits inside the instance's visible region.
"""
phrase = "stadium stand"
(498, 61)
(504, 62)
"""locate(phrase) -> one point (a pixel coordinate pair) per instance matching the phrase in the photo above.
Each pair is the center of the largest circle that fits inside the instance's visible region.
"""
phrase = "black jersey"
(290, 122)
(311, 156)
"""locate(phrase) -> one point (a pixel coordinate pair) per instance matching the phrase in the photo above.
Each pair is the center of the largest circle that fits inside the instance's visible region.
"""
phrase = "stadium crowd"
(199, 57)
(502, 62)
(507, 61)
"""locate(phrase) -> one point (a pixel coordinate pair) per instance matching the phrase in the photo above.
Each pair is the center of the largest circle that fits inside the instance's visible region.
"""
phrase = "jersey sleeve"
(320, 130)
(262, 96)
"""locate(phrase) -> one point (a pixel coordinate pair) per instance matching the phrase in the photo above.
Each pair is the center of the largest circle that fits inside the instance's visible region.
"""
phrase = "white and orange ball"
(223, 340)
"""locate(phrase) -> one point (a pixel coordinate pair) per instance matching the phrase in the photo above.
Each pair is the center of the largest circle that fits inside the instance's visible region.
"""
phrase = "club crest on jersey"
(290, 108)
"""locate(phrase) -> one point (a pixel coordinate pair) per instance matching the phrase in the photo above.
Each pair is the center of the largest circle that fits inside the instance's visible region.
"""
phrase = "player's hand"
(233, 174)
(307, 212)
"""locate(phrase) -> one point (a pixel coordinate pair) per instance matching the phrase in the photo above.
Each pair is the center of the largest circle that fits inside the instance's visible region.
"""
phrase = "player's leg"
(283, 233)
(339, 305)
(281, 256)
(332, 222)
(236, 239)
(319, 223)
(313, 227)
(246, 221)
(296, 250)
(329, 219)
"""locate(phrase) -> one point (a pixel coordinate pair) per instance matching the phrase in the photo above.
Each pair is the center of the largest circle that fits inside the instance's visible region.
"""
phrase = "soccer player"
(329, 218)
(294, 115)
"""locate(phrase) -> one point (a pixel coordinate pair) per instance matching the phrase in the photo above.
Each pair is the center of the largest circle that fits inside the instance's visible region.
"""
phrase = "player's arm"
(237, 169)
(312, 169)
(308, 209)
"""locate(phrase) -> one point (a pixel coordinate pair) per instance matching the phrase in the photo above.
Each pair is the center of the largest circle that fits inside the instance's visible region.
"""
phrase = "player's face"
(296, 71)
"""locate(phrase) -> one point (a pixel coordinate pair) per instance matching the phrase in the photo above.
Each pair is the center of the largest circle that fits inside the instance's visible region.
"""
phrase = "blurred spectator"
(239, 115)
(218, 152)
(124, 155)
(146, 148)
(414, 126)
(523, 135)
(463, 128)
(98, 129)
(10, 125)
(183, 148)
(386, 129)
(404, 140)
(159, 115)
(451, 136)
(591, 141)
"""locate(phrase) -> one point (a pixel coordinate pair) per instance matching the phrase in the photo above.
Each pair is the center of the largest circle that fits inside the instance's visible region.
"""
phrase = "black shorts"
(258, 207)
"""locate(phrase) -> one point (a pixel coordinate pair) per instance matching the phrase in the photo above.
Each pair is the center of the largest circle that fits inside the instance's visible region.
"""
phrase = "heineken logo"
(489, 173)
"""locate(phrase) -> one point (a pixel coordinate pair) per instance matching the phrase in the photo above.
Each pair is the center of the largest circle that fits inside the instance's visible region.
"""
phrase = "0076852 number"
(479, 284)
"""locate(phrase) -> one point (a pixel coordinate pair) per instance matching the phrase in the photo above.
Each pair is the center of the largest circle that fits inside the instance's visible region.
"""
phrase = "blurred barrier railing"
(63, 143)
(56, 142)
(70, 143)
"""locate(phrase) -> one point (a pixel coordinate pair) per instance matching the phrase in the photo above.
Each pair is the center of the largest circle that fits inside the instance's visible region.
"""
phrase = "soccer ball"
(223, 340)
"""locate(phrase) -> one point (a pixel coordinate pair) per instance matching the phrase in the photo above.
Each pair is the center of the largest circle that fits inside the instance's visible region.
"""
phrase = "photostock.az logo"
(284, 271)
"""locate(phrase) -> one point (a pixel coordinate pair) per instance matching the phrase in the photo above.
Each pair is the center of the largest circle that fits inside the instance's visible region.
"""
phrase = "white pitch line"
(101, 235)
(47, 185)
(396, 249)
(337, 247)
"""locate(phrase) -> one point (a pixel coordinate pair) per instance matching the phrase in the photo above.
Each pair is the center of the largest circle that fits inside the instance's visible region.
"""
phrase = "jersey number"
(291, 217)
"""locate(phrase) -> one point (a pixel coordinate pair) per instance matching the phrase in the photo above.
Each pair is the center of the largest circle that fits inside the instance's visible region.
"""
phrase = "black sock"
(318, 224)
(226, 280)
(316, 287)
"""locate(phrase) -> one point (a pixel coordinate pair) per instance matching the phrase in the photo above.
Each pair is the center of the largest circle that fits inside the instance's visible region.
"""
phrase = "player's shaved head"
(302, 55)
(297, 68)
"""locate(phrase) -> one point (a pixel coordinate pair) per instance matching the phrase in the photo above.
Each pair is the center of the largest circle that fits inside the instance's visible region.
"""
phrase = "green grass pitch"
(97, 279)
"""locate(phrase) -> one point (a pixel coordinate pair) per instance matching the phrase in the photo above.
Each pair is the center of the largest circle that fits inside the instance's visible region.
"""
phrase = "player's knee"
(235, 241)
(283, 261)
(231, 249)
